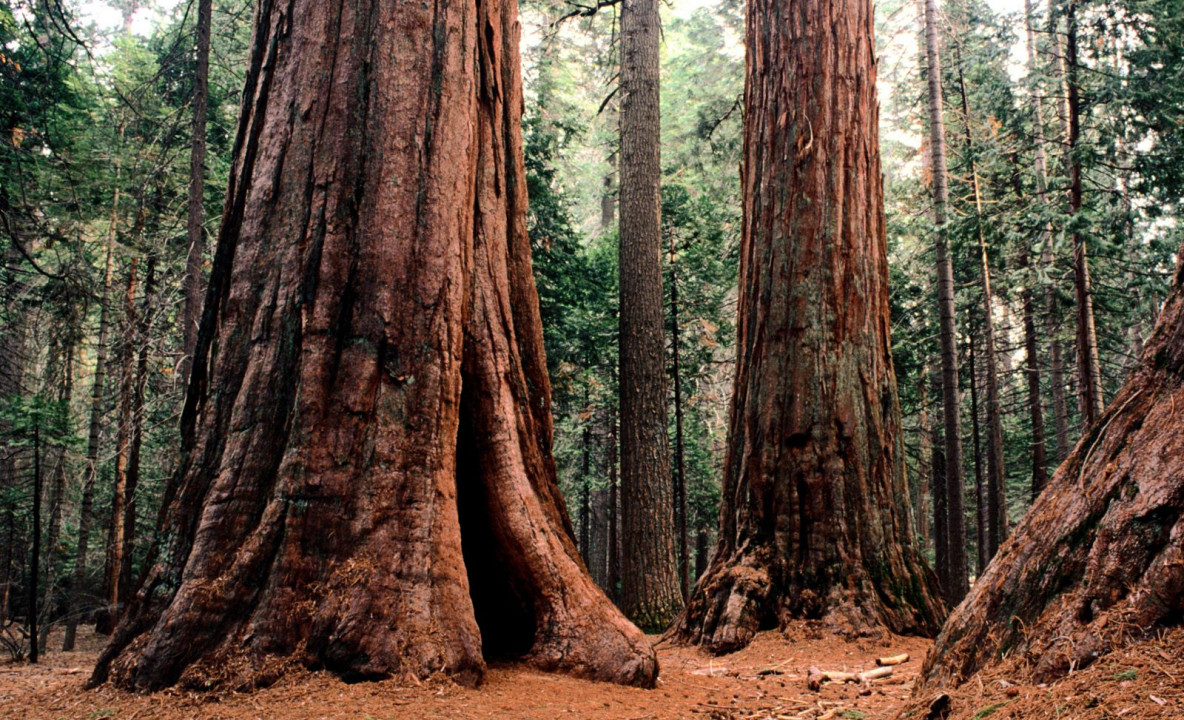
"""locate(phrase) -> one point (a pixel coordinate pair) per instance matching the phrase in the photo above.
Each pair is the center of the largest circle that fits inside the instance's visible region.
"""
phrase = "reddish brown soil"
(766, 681)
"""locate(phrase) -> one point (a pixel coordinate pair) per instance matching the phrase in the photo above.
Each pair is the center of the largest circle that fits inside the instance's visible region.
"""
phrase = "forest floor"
(766, 681)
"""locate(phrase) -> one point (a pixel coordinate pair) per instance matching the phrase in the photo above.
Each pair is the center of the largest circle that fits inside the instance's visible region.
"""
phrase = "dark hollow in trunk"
(815, 516)
(1099, 558)
(367, 482)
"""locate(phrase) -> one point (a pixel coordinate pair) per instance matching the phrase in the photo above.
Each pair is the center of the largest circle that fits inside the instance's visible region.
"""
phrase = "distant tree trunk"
(586, 483)
(983, 527)
(924, 469)
(137, 440)
(366, 470)
(814, 516)
(1056, 349)
(94, 436)
(1035, 401)
(996, 474)
(1099, 558)
(1089, 380)
(939, 489)
(35, 557)
(57, 494)
(608, 197)
(649, 561)
(1031, 347)
(947, 330)
(614, 515)
(680, 466)
(116, 529)
(194, 228)
(702, 551)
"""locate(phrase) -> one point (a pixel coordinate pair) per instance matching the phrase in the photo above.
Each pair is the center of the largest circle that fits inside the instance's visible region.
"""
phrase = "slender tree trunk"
(366, 468)
(924, 470)
(680, 466)
(1089, 380)
(939, 490)
(814, 516)
(137, 440)
(614, 515)
(996, 473)
(586, 483)
(1099, 559)
(702, 551)
(116, 531)
(1031, 346)
(35, 557)
(94, 435)
(649, 562)
(947, 331)
(194, 228)
(983, 527)
(608, 196)
(53, 539)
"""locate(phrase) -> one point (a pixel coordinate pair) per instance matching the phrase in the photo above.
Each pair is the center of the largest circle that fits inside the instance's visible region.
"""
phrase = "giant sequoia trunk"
(367, 482)
(814, 512)
(1099, 558)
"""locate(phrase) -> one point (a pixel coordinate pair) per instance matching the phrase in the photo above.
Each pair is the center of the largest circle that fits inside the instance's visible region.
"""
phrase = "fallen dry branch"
(815, 677)
(893, 660)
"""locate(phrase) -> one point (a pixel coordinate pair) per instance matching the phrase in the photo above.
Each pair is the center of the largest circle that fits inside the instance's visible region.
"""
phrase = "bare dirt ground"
(766, 681)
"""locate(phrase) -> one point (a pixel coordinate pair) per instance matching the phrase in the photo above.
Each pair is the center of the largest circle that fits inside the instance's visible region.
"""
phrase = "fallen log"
(815, 677)
(893, 660)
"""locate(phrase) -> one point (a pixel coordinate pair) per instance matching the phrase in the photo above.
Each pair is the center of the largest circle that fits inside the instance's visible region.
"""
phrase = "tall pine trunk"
(366, 472)
(1031, 341)
(116, 529)
(680, 465)
(1089, 378)
(957, 580)
(996, 475)
(649, 561)
(814, 515)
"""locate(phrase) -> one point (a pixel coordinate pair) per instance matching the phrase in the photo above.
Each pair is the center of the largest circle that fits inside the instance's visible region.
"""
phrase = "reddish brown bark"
(367, 482)
(815, 511)
(113, 589)
(1099, 558)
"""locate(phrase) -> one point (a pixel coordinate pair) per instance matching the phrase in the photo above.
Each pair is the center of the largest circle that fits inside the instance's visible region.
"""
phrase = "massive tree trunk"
(956, 581)
(366, 481)
(649, 562)
(1099, 558)
(194, 227)
(814, 516)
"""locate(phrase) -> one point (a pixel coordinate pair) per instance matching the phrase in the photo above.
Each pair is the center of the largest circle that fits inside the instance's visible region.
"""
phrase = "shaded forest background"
(97, 135)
